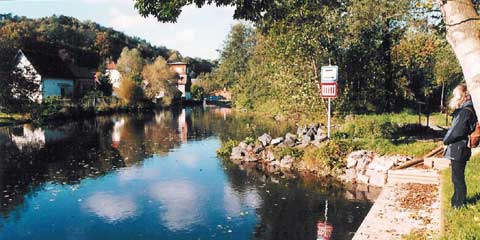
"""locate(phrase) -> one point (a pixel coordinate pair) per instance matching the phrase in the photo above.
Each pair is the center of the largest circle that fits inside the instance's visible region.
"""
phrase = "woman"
(464, 120)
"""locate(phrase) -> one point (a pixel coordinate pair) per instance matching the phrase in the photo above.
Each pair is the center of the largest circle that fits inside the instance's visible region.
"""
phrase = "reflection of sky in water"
(182, 202)
(111, 207)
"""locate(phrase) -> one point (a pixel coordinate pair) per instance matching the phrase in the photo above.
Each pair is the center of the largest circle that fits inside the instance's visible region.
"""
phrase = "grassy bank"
(463, 224)
(12, 119)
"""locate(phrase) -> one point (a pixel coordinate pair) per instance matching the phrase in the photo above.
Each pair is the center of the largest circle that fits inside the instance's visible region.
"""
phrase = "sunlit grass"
(388, 147)
(12, 118)
(463, 224)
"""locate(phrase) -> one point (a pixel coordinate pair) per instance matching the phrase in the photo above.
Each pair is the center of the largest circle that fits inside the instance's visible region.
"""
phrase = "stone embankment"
(263, 152)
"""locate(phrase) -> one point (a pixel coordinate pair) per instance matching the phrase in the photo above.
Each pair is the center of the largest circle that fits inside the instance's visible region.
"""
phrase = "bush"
(371, 127)
(330, 157)
(226, 149)
(292, 152)
(197, 92)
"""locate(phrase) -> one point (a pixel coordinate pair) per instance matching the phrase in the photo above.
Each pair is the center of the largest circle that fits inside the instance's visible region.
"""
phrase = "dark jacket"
(464, 120)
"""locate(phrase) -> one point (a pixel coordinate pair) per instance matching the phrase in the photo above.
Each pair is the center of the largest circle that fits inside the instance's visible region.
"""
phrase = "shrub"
(226, 149)
(284, 151)
(371, 127)
(331, 156)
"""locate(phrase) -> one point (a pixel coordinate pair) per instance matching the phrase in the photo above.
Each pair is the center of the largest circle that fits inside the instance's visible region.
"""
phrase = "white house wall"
(29, 72)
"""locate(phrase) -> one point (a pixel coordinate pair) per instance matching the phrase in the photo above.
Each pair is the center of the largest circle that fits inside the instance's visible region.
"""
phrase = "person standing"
(456, 139)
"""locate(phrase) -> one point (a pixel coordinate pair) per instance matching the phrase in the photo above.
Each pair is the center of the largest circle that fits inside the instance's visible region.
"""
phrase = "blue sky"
(197, 33)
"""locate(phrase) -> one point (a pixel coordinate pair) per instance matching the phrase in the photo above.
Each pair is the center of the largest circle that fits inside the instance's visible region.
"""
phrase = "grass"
(408, 148)
(6, 119)
(463, 224)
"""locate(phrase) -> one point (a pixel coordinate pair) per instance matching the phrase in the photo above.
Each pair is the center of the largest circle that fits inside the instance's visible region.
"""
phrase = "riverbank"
(54, 110)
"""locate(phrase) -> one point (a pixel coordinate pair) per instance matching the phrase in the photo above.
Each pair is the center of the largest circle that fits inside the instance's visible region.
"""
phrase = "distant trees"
(160, 82)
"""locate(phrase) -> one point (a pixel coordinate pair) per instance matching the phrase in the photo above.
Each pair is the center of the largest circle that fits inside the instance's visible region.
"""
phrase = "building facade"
(184, 83)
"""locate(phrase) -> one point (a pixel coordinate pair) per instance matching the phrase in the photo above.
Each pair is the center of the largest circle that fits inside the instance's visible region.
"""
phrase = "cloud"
(110, 207)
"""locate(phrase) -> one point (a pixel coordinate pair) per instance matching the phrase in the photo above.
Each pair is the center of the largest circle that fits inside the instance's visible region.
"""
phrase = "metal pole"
(329, 118)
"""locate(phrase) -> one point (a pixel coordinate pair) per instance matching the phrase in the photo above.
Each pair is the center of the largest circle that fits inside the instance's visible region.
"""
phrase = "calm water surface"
(156, 176)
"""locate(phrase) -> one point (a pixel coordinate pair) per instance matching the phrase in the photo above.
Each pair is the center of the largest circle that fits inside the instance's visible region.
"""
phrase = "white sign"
(329, 74)
(329, 90)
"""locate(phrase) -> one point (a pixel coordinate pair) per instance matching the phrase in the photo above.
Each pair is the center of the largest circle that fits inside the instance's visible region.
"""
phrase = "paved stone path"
(387, 219)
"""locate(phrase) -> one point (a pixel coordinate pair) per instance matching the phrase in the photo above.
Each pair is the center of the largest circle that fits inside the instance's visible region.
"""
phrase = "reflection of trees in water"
(234, 126)
(292, 208)
(78, 155)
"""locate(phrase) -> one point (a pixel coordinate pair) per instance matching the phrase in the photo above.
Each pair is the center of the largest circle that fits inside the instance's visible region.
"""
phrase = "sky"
(199, 32)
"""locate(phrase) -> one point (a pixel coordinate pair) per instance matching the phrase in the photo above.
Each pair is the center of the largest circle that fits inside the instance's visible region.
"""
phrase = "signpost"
(329, 88)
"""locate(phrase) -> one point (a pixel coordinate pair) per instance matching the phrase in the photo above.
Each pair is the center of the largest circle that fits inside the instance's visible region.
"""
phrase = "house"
(56, 74)
(184, 82)
(113, 74)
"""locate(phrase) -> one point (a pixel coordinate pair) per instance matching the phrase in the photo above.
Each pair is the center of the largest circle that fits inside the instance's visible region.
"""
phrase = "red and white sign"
(329, 90)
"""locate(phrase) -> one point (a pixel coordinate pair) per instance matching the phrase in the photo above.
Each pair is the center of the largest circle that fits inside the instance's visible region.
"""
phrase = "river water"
(157, 176)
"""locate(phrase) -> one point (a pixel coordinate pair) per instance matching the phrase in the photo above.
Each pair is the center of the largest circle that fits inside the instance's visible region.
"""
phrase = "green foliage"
(379, 126)
(330, 158)
(226, 148)
(197, 92)
(462, 223)
(281, 152)
(104, 85)
(160, 80)
(249, 140)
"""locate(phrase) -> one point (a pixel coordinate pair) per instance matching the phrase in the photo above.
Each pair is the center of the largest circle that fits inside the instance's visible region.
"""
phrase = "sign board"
(329, 90)
(329, 74)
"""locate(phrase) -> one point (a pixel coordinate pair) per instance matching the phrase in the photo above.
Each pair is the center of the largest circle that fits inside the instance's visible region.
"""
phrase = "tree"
(234, 55)
(18, 87)
(460, 17)
(463, 34)
(130, 62)
(159, 80)
(175, 56)
(104, 84)
(129, 90)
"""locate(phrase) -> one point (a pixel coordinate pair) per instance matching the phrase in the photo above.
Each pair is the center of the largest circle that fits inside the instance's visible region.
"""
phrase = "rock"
(277, 141)
(237, 153)
(250, 147)
(269, 156)
(258, 149)
(351, 175)
(351, 162)
(306, 140)
(250, 158)
(243, 146)
(300, 131)
(274, 163)
(287, 162)
(265, 139)
(378, 179)
(363, 178)
(303, 145)
(290, 139)
(311, 133)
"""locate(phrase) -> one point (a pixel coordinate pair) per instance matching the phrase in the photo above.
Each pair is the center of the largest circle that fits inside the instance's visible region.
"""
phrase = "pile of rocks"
(262, 152)
(370, 168)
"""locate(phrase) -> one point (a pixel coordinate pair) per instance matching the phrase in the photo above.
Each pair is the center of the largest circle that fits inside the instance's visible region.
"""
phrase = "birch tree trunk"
(463, 34)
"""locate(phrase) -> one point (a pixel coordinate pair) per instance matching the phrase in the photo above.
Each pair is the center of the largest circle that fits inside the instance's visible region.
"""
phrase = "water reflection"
(110, 207)
(182, 203)
(157, 176)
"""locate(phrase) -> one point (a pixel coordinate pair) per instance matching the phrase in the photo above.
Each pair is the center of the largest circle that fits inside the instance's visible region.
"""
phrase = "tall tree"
(463, 33)
(159, 80)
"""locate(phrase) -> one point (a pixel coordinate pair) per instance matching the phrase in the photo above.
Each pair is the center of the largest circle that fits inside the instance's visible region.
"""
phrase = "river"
(157, 176)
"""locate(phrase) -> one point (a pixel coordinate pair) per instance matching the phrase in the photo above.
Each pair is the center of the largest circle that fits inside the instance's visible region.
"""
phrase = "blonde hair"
(460, 96)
